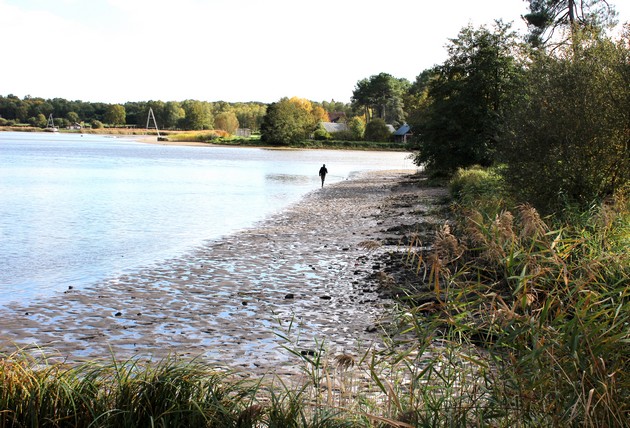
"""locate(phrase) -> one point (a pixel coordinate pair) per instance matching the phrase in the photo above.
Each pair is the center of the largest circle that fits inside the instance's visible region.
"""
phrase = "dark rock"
(325, 297)
(289, 296)
(371, 329)
(118, 314)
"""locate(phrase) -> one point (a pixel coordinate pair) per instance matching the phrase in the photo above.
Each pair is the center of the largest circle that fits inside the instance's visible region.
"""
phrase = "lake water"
(77, 209)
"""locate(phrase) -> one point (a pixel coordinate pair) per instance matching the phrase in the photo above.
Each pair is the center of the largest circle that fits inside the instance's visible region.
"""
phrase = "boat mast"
(152, 116)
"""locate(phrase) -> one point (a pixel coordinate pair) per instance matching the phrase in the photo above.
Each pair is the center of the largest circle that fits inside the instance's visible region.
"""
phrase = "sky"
(115, 51)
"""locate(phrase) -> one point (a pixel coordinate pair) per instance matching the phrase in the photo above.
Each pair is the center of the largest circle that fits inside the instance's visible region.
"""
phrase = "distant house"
(391, 128)
(332, 127)
(337, 117)
(244, 132)
(75, 126)
(402, 134)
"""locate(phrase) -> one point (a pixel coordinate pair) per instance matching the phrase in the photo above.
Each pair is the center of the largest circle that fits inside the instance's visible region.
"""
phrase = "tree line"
(186, 115)
(551, 113)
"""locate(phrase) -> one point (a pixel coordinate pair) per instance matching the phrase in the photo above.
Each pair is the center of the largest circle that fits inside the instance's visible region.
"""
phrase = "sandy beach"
(301, 278)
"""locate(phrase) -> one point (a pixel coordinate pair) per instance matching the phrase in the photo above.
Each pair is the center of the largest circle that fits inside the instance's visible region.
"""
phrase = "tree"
(173, 113)
(381, 96)
(287, 122)
(320, 114)
(226, 121)
(468, 96)
(357, 127)
(417, 99)
(548, 16)
(115, 115)
(377, 130)
(73, 117)
(198, 115)
(250, 115)
(40, 121)
(569, 138)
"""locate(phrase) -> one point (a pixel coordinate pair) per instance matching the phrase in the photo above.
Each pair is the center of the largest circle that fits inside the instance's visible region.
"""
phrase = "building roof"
(336, 116)
(331, 127)
(403, 130)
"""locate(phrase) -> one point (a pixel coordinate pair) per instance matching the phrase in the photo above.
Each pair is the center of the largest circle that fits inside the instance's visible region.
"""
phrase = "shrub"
(478, 187)
(377, 130)
(321, 134)
(568, 140)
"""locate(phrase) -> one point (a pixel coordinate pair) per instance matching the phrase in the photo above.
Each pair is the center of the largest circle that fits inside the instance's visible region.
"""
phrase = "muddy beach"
(300, 279)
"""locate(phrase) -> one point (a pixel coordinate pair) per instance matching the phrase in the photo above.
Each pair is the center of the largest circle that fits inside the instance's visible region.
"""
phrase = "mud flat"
(300, 279)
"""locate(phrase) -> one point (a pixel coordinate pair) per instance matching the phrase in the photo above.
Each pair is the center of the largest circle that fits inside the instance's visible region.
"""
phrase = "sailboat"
(50, 127)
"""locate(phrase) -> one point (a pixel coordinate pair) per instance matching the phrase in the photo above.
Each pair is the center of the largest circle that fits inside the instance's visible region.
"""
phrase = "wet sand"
(299, 279)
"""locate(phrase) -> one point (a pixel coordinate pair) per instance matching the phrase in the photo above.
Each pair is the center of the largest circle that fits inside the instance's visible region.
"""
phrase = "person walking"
(322, 173)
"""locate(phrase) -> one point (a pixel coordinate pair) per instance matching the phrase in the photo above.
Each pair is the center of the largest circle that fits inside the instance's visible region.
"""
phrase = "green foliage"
(226, 121)
(534, 310)
(73, 117)
(115, 115)
(97, 124)
(286, 122)
(377, 130)
(250, 115)
(356, 125)
(127, 394)
(40, 121)
(381, 96)
(476, 185)
(468, 95)
(169, 115)
(198, 115)
(549, 18)
(568, 140)
(321, 133)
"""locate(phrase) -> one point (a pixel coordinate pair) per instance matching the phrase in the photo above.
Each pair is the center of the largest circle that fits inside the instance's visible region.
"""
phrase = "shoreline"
(301, 278)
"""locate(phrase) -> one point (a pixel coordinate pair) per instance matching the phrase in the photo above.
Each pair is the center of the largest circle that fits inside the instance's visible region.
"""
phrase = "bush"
(97, 124)
(477, 186)
(321, 134)
(346, 136)
(568, 140)
(377, 130)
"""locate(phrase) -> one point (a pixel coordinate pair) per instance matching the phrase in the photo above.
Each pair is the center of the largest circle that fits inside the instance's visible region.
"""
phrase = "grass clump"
(538, 309)
(35, 392)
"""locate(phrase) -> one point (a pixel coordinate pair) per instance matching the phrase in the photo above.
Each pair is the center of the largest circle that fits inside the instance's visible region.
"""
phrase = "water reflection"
(289, 178)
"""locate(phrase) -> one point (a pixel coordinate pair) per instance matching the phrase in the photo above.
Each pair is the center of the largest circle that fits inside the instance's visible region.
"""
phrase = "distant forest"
(184, 115)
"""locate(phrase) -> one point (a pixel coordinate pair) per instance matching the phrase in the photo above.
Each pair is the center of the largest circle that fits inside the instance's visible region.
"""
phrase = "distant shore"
(193, 138)
(305, 274)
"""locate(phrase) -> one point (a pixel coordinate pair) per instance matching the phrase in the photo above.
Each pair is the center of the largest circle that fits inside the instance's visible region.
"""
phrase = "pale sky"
(115, 51)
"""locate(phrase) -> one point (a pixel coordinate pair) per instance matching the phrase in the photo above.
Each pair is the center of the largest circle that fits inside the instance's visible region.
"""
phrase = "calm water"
(76, 209)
